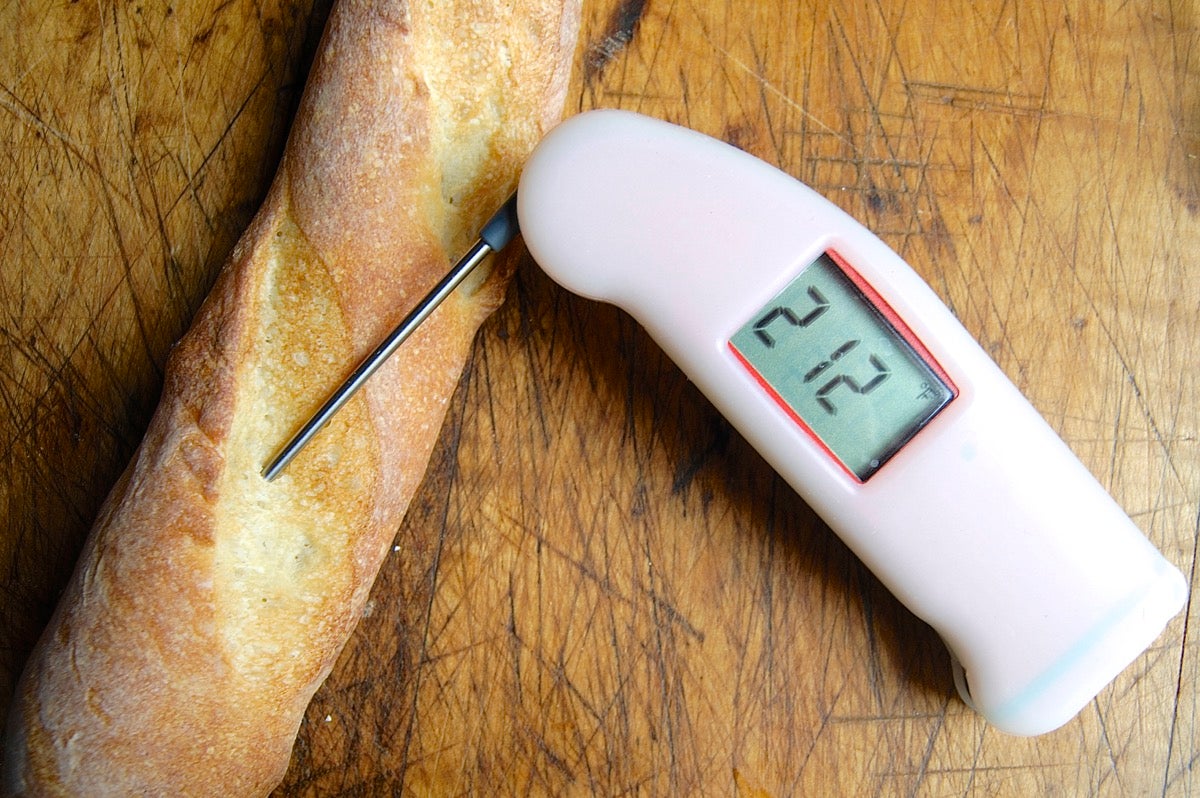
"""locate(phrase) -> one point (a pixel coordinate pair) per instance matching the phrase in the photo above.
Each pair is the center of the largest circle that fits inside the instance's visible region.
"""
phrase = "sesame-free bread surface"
(208, 604)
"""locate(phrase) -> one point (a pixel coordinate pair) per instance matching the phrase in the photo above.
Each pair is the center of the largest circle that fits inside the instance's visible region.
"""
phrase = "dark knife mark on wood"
(622, 27)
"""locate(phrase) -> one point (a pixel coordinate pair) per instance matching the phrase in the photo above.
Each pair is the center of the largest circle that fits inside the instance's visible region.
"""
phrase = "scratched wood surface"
(623, 598)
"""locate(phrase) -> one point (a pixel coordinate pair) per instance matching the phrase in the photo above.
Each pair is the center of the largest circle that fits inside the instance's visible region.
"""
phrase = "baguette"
(208, 604)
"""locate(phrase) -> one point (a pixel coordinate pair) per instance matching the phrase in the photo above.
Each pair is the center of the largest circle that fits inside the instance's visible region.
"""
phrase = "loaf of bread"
(209, 604)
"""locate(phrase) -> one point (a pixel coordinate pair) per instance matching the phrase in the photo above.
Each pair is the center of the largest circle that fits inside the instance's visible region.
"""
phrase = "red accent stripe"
(792, 414)
(893, 318)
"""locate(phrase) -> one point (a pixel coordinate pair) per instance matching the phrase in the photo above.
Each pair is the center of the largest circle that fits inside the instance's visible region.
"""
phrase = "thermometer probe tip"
(500, 229)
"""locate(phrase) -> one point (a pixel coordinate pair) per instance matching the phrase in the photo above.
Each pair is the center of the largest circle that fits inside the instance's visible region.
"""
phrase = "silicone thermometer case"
(984, 524)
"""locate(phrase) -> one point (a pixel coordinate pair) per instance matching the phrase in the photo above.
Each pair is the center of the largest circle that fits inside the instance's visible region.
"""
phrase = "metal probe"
(495, 235)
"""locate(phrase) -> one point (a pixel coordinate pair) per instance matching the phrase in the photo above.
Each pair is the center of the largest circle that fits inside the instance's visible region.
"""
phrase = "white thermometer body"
(845, 370)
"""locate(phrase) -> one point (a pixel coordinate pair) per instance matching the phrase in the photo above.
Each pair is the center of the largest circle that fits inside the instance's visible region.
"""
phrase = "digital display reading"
(831, 358)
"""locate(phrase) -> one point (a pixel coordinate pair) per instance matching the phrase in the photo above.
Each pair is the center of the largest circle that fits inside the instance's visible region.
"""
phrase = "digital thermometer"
(844, 369)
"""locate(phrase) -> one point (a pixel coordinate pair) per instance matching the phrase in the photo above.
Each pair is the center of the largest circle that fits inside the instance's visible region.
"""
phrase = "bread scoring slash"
(209, 604)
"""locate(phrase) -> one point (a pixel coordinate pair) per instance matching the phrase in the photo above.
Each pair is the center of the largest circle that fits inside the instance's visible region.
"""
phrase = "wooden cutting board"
(625, 598)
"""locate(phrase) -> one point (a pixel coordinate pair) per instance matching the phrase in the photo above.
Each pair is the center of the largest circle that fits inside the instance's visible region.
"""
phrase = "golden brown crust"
(208, 604)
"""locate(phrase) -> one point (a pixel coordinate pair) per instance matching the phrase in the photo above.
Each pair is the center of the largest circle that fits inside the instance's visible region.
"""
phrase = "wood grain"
(625, 598)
